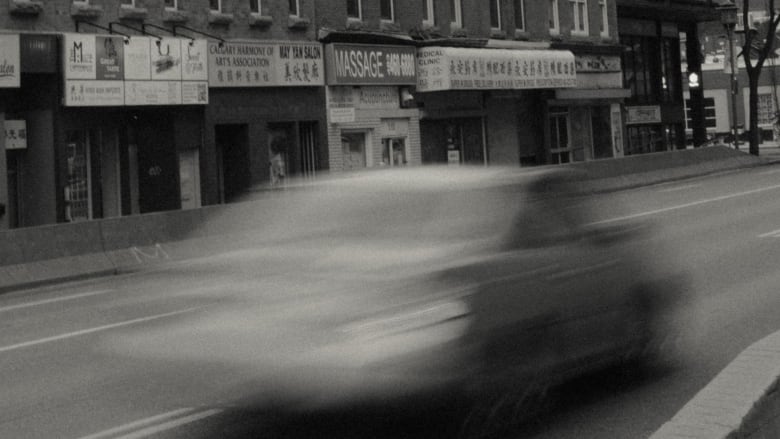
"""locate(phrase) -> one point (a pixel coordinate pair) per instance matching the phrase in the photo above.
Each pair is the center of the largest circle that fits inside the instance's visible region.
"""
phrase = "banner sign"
(105, 70)
(239, 64)
(458, 68)
(15, 134)
(354, 64)
(10, 61)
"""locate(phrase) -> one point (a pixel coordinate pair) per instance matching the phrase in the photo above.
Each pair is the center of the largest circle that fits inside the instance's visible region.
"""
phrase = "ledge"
(298, 23)
(220, 18)
(389, 26)
(25, 7)
(175, 16)
(521, 35)
(260, 21)
(498, 34)
(128, 13)
(459, 32)
(85, 11)
(355, 24)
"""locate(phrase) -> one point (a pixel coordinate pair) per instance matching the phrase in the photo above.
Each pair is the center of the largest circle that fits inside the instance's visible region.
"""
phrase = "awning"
(461, 68)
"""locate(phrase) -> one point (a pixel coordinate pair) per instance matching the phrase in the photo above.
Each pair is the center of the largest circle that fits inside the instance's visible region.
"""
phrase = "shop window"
(552, 17)
(387, 10)
(579, 13)
(456, 14)
(81, 182)
(355, 9)
(604, 14)
(394, 152)
(520, 15)
(601, 127)
(560, 147)
(645, 138)
(295, 8)
(353, 147)
(495, 14)
(428, 13)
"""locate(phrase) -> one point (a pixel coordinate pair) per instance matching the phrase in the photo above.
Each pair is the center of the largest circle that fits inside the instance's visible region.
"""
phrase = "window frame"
(219, 6)
(360, 11)
(553, 17)
(297, 6)
(604, 9)
(580, 25)
(258, 10)
(497, 5)
(520, 13)
(175, 6)
(430, 11)
(81, 2)
(127, 4)
(392, 11)
(456, 17)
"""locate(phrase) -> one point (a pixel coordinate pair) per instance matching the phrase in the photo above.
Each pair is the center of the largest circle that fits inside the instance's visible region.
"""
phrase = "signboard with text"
(255, 64)
(10, 62)
(15, 134)
(355, 64)
(460, 68)
(104, 70)
(643, 114)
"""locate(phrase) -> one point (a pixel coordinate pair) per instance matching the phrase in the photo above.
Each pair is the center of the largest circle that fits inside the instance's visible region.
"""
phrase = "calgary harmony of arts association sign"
(9, 61)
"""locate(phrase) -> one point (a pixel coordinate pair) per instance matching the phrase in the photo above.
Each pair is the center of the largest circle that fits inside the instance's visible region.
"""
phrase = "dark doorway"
(233, 158)
(452, 141)
(158, 170)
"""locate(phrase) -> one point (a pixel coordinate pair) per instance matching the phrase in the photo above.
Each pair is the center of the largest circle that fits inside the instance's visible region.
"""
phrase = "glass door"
(560, 146)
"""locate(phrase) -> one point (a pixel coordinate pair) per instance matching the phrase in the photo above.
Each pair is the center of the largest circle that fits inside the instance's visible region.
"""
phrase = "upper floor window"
(355, 9)
(386, 10)
(294, 8)
(255, 7)
(552, 17)
(456, 17)
(428, 12)
(579, 13)
(495, 14)
(128, 3)
(171, 4)
(520, 15)
(215, 5)
(604, 13)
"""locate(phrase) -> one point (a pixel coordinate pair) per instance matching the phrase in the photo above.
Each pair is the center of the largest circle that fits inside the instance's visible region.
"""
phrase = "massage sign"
(353, 64)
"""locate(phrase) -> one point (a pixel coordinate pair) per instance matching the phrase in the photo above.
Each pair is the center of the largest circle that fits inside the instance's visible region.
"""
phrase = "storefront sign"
(104, 70)
(643, 114)
(352, 64)
(597, 63)
(265, 64)
(9, 61)
(15, 134)
(79, 56)
(342, 115)
(456, 68)
(87, 93)
(110, 57)
(364, 98)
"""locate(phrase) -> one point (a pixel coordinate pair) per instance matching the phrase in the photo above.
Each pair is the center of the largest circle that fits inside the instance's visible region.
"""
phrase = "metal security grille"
(307, 132)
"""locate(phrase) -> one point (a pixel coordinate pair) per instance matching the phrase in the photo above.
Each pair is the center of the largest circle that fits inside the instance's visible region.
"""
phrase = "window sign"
(80, 56)
(194, 64)
(9, 61)
(15, 134)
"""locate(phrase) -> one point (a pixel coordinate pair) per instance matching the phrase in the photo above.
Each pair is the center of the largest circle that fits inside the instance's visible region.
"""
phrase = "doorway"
(234, 176)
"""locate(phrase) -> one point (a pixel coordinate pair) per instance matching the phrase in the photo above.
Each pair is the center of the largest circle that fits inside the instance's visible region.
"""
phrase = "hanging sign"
(15, 134)
(109, 53)
(79, 56)
(9, 61)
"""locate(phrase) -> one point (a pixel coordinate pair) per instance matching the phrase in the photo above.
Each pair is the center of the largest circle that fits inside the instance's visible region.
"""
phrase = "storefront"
(265, 120)
(131, 131)
(482, 105)
(372, 117)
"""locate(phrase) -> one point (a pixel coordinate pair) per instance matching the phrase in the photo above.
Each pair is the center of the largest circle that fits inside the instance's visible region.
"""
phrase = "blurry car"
(395, 283)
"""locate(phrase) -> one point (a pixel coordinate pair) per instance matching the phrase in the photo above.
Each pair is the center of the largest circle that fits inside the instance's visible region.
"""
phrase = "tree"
(758, 45)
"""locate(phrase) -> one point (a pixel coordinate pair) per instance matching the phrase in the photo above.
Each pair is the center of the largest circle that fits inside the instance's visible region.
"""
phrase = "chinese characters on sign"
(448, 68)
(265, 64)
(15, 134)
(9, 61)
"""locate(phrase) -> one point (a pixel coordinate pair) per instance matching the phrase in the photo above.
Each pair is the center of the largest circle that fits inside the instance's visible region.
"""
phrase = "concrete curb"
(741, 402)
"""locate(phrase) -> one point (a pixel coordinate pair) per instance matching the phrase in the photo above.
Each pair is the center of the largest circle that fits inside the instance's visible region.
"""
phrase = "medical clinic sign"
(106, 70)
(354, 64)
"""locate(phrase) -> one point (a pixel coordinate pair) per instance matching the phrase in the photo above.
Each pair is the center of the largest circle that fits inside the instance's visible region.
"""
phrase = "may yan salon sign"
(9, 61)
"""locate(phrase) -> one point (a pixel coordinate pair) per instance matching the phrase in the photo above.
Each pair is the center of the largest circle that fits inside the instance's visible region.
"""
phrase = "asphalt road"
(60, 376)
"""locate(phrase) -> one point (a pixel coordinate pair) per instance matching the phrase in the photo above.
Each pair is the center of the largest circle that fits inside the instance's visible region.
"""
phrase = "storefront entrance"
(454, 141)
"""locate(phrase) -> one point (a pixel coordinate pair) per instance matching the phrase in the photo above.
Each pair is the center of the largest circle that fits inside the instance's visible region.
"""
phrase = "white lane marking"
(141, 423)
(679, 188)
(683, 206)
(95, 329)
(773, 234)
(146, 432)
(53, 300)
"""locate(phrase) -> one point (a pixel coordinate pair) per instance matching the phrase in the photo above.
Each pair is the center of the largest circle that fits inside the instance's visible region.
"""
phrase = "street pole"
(734, 84)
